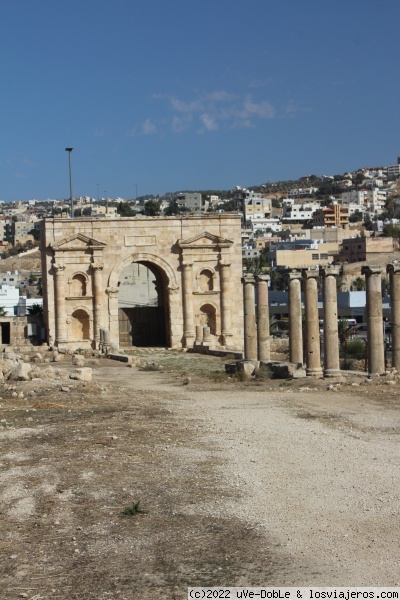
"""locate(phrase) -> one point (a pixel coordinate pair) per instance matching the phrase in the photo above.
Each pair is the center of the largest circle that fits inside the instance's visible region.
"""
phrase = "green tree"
(152, 208)
(36, 310)
(359, 284)
(124, 209)
(174, 209)
(356, 216)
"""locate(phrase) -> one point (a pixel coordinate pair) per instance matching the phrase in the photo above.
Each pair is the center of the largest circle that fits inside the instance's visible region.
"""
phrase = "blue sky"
(167, 95)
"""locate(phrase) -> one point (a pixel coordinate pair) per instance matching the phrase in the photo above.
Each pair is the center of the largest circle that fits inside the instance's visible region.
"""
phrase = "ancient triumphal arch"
(143, 281)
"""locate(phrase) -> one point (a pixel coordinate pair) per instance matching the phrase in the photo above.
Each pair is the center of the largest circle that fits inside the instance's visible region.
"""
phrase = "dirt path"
(257, 483)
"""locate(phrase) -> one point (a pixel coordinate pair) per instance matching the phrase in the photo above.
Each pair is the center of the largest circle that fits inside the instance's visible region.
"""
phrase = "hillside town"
(350, 220)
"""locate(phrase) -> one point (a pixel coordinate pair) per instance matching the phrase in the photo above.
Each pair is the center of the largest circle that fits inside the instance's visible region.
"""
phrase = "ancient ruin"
(167, 281)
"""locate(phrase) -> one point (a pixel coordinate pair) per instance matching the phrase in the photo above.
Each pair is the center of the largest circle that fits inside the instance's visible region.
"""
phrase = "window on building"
(315, 256)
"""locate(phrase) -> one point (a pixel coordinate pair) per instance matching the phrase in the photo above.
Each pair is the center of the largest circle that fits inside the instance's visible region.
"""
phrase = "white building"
(298, 213)
(13, 303)
(372, 200)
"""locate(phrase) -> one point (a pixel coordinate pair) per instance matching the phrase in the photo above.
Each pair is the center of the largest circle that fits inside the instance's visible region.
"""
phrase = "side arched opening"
(80, 325)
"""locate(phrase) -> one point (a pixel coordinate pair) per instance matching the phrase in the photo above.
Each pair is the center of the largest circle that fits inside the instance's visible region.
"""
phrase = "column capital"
(58, 267)
(263, 278)
(327, 270)
(187, 265)
(369, 270)
(393, 267)
(223, 262)
(310, 273)
(293, 274)
(248, 279)
(97, 266)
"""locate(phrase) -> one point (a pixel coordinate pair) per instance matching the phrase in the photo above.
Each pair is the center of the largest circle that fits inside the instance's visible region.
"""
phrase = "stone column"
(225, 283)
(376, 354)
(295, 318)
(394, 275)
(313, 351)
(206, 335)
(263, 339)
(188, 304)
(113, 325)
(331, 334)
(199, 334)
(97, 268)
(61, 330)
(250, 336)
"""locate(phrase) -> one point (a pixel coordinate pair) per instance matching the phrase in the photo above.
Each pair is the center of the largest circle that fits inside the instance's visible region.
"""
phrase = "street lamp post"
(71, 198)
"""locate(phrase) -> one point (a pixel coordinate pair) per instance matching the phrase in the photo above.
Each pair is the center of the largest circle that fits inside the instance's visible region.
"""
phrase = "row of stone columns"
(257, 339)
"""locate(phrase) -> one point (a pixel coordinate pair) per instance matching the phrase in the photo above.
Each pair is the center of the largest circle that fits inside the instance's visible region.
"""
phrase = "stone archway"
(146, 320)
(143, 314)
(189, 261)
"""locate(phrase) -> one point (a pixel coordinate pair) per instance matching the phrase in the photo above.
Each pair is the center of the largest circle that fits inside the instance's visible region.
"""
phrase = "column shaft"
(97, 297)
(250, 336)
(376, 354)
(313, 351)
(61, 330)
(295, 318)
(263, 338)
(331, 334)
(188, 304)
(225, 269)
(394, 274)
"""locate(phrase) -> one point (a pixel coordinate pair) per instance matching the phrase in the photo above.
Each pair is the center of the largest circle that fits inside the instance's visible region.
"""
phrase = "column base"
(332, 373)
(314, 372)
(226, 337)
(189, 340)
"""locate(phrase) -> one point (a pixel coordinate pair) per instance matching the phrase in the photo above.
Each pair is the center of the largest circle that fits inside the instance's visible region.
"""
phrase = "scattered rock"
(78, 360)
(21, 372)
(83, 374)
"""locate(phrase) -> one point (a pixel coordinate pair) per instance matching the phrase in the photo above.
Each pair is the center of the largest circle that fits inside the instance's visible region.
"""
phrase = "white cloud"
(148, 127)
(208, 122)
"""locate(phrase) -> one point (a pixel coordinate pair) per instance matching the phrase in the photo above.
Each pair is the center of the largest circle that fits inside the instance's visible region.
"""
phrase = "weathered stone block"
(84, 374)
(20, 372)
(78, 360)
(285, 370)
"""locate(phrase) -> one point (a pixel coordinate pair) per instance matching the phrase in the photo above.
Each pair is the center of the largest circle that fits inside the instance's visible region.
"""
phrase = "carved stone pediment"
(77, 241)
(205, 240)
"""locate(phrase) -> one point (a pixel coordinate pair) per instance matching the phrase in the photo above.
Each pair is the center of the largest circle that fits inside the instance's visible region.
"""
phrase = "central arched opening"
(142, 306)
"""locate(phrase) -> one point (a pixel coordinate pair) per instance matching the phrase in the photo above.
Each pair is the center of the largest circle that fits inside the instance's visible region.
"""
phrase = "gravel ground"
(261, 482)
(317, 471)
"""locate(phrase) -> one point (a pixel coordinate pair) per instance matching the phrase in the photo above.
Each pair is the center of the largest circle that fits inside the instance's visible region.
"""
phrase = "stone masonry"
(196, 261)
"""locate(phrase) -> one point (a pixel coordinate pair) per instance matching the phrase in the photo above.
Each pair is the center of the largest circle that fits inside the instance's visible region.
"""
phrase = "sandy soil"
(241, 483)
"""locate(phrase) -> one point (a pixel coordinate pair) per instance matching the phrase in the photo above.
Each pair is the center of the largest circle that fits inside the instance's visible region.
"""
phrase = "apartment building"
(259, 207)
(333, 215)
(298, 213)
(373, 200)
(361, 249)
(189, 200)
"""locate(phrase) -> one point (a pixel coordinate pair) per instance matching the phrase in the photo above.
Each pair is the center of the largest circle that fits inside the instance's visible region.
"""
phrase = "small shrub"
(347, 365)
(355, 349)
(264, 373)
(134, 509)
(217, 376)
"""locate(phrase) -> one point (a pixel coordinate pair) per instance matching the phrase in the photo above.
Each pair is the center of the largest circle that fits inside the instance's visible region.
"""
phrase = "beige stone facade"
(195, 265)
